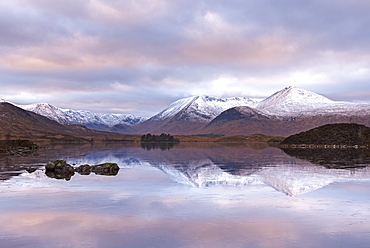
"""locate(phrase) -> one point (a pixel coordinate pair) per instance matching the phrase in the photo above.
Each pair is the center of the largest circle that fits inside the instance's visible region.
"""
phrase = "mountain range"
(17, 123)
(286, 112)
(81, 117)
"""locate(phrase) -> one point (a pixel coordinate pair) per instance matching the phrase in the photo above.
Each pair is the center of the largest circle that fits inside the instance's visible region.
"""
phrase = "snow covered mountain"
(203, 108)
(286, 112)
(87, 118)
(293, 101)
(187, 115)
(289, 111)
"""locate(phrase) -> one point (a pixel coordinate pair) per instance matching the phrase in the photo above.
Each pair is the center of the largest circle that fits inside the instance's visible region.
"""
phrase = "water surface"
(188, 196)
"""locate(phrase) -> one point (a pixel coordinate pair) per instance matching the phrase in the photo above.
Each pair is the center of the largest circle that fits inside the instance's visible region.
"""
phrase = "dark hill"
(332, 134)
(241, 121)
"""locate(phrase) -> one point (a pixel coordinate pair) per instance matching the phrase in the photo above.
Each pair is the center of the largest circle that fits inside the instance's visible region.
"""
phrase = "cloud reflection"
(143, 207)
(50, 229)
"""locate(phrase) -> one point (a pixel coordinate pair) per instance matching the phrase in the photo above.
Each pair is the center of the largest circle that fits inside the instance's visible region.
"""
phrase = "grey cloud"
(158, 51)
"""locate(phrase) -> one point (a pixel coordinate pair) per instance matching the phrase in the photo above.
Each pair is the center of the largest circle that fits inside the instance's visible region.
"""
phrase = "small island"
(158, 138)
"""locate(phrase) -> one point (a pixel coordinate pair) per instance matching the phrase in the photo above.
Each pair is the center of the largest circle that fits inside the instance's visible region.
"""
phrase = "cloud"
(176, 49)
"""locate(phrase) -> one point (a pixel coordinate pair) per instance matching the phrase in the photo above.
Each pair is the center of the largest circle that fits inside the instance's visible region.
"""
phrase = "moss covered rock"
(108, 169)
(59, 169)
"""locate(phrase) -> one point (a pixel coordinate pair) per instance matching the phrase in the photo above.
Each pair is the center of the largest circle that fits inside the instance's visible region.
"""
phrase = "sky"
(138, 56)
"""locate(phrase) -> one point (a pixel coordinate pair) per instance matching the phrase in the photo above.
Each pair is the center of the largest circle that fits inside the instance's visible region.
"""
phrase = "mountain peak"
(298, 94)
(292, 100)
(203, 108)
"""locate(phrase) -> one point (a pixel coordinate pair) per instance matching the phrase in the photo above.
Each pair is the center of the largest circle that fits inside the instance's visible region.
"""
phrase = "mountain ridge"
(89, 119)
(285, 112)
(17, 123)
(203, 107)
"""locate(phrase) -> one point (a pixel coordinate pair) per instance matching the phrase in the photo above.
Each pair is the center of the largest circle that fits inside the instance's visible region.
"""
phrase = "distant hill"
(89, 119)
(17, 123)
(332, 134)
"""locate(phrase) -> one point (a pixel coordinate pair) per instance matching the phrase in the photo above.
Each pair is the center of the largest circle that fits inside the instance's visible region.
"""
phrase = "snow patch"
(204, 108)
(69, 116)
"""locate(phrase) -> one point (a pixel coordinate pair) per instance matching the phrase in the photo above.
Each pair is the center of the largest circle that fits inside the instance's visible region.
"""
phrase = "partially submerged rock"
(83, 169)
(108, 169)
(59, 169)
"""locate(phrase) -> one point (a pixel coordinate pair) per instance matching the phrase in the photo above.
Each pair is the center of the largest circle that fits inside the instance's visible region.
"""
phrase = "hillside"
(248, 121)
(16, 123)
(332, 134)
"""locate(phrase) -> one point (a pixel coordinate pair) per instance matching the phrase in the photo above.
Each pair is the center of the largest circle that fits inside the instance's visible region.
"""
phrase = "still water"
(188, 196)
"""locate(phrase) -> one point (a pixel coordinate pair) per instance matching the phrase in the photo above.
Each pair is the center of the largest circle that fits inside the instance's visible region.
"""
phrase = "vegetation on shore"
(331, 135)
(17, 146)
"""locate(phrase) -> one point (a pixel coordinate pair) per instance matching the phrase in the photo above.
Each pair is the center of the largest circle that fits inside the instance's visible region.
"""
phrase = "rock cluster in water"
(60, 169)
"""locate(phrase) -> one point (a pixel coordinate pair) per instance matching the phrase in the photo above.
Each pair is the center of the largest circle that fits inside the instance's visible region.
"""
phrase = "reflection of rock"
(31, 169)
(59, 169)
(344, 158)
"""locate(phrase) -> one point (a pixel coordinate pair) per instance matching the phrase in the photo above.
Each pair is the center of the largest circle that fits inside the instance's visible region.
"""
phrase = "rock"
(59, 169)
(83, 169)
(108, 169)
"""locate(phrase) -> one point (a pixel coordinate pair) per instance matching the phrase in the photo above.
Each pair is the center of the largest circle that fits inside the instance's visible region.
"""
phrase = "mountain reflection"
(290, 172)
(246, 166)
